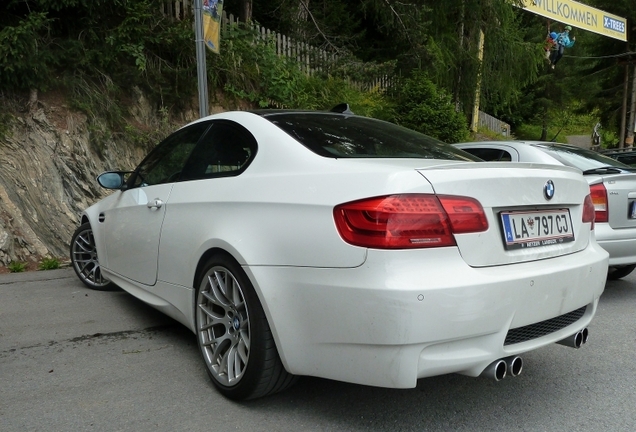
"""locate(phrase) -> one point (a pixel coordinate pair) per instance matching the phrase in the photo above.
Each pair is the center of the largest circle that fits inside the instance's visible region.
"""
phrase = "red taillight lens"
(408, 221)
(588, 211)
(599, 199)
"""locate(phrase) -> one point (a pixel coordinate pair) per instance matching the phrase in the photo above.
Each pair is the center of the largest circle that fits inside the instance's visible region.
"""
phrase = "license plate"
(633, 212)
(534, 229)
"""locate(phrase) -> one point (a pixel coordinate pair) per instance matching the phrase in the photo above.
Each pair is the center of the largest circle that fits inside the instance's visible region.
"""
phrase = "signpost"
(207, 32)
(201, 64)
(580, 15)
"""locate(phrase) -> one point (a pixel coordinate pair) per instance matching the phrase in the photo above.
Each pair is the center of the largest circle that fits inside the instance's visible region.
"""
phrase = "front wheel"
(618, 272)
(85, 261)
(234, 337)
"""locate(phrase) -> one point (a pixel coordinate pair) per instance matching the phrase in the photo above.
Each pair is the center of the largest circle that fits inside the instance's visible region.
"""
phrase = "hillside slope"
(47, 176)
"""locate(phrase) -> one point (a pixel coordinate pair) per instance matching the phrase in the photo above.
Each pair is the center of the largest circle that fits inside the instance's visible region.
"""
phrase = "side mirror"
(112, 179)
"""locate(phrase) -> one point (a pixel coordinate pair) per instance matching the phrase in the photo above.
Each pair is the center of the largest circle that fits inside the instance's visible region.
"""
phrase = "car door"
(201, 204)
(133, 223)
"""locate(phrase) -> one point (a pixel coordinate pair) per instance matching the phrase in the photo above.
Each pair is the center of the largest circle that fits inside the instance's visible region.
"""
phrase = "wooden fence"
(493, 124)
(178, 9)
(310, 59)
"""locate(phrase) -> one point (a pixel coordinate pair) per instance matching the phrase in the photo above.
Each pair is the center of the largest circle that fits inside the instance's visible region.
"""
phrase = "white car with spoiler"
(612, 187)
(328, 244)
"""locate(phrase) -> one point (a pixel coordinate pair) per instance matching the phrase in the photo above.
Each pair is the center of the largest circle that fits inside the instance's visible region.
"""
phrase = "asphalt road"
(72, 359)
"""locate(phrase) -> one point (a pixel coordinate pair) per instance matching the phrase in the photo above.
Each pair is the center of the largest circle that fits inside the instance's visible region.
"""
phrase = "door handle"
(155, 204)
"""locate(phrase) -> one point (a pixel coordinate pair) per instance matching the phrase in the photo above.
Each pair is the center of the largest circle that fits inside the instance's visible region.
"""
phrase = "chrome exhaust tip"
(496, 370)
(576, 340)
(514, 364)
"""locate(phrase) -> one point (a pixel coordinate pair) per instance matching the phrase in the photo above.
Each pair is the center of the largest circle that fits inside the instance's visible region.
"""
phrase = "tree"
(437, 37)
(246, 11)
(605, 68)
(423, 107)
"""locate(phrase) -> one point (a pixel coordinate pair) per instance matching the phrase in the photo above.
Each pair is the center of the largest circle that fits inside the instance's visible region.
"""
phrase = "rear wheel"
(233, 334)
(617, 272)
(85, 261)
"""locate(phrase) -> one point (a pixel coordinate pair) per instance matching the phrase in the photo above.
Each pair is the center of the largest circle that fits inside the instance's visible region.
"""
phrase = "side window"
(226, 150)
(165, 163)
(490, 154)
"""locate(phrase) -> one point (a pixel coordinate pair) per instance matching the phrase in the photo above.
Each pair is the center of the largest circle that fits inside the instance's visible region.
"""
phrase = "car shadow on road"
(557, 382)
(619, 290)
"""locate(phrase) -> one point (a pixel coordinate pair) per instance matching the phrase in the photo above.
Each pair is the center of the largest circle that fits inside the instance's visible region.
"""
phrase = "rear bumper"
(619, 243)
(405, 315)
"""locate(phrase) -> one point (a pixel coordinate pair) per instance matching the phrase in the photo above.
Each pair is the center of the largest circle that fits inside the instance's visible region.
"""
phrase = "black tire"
(85, 261)
(234, 338)
(617, 272)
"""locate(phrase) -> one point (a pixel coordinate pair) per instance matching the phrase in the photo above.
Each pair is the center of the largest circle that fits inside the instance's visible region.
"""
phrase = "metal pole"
(621, 142)
(629, 139)
(201, 66)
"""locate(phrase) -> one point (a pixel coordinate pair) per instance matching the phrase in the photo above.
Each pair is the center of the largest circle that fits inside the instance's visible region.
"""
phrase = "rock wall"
(47, 177)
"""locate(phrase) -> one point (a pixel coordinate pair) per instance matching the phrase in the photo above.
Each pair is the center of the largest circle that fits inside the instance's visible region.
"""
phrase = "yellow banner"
(581, 16)
(212, 12)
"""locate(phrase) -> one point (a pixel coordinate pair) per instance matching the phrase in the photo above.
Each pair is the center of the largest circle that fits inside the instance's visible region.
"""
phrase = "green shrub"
(49, 264)
(25, 58)
(425, 108)
(17, 267)
(249, 69)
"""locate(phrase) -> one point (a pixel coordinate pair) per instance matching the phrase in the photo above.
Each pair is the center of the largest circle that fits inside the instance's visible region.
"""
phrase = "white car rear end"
(406, 314)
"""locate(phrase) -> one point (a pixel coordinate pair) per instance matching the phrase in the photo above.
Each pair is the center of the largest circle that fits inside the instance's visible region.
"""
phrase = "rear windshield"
(346, 136)
(580, 158)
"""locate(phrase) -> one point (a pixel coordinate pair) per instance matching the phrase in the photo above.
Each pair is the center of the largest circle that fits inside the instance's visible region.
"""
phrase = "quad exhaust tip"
(577, 340)
(501, 368)
(513, 365)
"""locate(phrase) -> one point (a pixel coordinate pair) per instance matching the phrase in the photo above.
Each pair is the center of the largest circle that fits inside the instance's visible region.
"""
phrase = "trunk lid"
(518, 192)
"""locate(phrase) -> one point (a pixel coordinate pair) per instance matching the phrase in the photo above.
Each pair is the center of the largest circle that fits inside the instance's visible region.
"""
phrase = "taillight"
(599, 199)
(408, 221)
(588, 211)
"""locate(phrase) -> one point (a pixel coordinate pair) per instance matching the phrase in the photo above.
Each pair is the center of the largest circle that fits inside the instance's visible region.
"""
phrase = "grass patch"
(49, 264)
(17, 267)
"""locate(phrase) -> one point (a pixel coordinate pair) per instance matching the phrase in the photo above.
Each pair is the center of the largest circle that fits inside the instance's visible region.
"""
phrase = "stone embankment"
(48, 167)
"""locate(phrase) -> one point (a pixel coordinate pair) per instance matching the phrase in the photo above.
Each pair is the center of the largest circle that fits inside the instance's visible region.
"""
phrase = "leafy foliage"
(422, 107)
(25, 58)
(127, 40)
(101, 49)
(440, 38)
(17, 266)
(602, 67)
(49, 264)
(251, 70)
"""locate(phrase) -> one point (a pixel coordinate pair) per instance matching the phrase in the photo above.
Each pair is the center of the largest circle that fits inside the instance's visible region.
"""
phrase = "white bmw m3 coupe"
(333, 245)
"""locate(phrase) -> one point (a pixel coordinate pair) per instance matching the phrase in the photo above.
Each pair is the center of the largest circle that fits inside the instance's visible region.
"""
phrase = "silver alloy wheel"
(223, 326)
(85, 261)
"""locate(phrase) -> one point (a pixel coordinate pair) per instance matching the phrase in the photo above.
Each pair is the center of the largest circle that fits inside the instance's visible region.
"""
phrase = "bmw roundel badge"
(548, 190)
